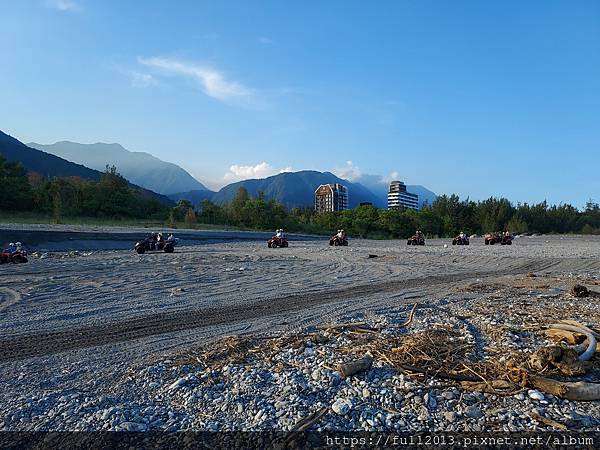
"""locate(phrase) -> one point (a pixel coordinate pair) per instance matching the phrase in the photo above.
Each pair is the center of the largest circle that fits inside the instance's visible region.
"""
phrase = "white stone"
(341, 407)
(535, 395)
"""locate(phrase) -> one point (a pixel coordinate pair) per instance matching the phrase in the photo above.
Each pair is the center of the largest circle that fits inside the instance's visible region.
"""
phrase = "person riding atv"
(461, 239)
(278, 240)
(14, 253)
(502, 238)
(416, 239)
(339, 238)
(507, 238)
(156, 242)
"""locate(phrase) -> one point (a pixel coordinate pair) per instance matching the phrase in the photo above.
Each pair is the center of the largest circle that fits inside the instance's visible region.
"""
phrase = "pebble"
(341, 407)
(474, 412)
(535, 395)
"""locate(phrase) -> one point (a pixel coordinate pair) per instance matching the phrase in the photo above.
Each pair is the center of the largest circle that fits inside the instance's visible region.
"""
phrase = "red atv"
(14, 257)
(275, 242)
(507, 239)
(498, 238)
(416, 239)
(338, 241)
(460, 240)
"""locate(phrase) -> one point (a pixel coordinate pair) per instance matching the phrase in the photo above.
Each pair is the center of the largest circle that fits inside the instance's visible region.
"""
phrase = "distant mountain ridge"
(140, 168)
(380, 188)
(295, 189)
(49, 165)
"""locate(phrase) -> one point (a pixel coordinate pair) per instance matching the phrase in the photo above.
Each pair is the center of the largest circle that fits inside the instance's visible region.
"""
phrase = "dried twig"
(410, 316)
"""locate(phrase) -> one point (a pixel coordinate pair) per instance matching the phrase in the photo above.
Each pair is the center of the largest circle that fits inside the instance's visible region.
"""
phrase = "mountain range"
(292, 189)
(139, 168)
(379, 187)
(296, 189)
(49, 165)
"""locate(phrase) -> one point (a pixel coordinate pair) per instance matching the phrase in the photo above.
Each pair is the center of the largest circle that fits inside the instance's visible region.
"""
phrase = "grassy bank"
(28, 217)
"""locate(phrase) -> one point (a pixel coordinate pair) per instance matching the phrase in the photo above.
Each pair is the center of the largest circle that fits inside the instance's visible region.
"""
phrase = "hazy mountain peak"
(140, 168)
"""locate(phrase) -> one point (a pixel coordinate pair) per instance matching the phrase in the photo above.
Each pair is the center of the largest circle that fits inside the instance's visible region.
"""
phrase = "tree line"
(113, 197)
(110, 197)
(446, 217)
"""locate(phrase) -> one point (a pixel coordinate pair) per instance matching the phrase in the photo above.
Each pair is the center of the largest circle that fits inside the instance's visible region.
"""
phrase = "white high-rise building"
(399, 197)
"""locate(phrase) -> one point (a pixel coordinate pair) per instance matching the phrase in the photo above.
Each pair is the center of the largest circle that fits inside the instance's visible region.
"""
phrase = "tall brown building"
(331, 197)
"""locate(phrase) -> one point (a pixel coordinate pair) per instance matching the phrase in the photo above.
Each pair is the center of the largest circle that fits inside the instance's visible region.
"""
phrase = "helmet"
(11, 244)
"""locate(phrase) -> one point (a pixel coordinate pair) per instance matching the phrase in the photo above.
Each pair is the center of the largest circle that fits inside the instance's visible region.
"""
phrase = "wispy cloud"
(349, 172)
(212, 81)
(141, 80)
(260, 170)
(63, 5)
(387, 179)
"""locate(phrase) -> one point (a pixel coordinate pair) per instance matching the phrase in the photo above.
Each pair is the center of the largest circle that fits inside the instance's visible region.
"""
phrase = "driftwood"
(580, 325)
(549, 422)
(562, 335)
(565, 359)
(591, 339)
(354, 367)
(308, 421)
(579, 391)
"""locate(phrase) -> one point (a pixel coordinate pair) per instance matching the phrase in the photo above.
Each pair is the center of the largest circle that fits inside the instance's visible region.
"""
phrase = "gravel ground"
(106, 340)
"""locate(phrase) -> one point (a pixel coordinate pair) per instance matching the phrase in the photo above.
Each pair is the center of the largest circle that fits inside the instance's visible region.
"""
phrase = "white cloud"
(260, 170)
(141, 80)
(63, 5)
(349, 172)
(213, 83)
(393, 176)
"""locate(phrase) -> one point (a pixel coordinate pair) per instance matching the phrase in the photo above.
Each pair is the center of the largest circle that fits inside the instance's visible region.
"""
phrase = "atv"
(152, 243)
(498, 238)
(458, 240)
(275, 242)
(416, 239)
(338, 241)
(492, 238)
(17, 257)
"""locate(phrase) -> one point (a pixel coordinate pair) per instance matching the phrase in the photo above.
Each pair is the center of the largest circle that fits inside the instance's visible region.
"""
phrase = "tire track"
(46, 343)
(8, 297)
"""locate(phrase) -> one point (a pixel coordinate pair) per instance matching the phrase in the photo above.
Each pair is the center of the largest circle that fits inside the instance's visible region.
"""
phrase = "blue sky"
(471, 97)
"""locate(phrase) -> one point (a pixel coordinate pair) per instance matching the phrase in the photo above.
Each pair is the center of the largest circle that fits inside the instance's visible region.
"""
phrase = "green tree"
(15, 190)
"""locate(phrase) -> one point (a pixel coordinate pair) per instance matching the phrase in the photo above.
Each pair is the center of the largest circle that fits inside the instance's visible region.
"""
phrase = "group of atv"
(499, 237)
(502, 238)
(340, 239)
(280, 240)
(16, 254)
